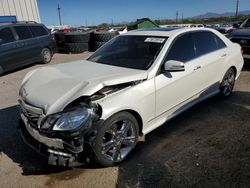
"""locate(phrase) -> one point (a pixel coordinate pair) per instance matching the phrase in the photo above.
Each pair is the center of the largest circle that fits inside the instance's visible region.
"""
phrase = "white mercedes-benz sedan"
(99, 108)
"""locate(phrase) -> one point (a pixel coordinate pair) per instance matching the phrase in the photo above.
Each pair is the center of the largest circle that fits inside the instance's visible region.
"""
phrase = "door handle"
(223, 55)
(197, 67)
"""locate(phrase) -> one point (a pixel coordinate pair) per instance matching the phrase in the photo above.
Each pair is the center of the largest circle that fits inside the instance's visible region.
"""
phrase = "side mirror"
(173, 66)
(1, 41)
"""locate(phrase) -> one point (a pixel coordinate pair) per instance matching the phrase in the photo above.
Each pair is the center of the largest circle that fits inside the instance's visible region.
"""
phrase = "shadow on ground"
(206, 146)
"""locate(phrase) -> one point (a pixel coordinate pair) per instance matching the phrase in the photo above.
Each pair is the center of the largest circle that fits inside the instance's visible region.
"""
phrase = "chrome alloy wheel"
(228, 83)
(47, 55)
(118, 140)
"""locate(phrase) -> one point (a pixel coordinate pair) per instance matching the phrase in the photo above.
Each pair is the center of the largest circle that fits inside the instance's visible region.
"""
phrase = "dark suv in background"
(242, 36)
(23, 43)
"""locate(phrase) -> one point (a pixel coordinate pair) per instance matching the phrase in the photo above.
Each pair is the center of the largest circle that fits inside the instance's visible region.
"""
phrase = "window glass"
(38, 31)
(205, 42)
(23, 32)
(220, 43)
(136, 52)
(6, 35)
(182, 49)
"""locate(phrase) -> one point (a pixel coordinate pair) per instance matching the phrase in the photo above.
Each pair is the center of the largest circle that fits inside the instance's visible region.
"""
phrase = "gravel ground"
(206, 146)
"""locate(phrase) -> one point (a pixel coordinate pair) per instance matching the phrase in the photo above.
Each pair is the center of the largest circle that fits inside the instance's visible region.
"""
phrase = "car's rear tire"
(115, 139)
(227, 84)
(46, 55)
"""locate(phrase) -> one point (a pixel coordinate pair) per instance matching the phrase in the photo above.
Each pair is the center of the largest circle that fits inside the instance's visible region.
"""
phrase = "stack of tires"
(97, 39)
(77, 42)
(60, 40)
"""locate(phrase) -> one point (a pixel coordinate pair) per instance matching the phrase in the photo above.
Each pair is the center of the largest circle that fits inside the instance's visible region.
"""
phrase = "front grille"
(31, 113)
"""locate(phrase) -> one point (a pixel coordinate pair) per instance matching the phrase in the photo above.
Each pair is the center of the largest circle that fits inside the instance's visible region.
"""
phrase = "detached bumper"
(57, 151)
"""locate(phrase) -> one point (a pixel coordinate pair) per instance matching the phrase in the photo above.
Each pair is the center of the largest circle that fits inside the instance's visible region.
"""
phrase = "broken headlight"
(68, 120)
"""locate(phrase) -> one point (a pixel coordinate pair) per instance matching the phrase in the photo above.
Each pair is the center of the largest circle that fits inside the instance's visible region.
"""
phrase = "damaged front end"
(66, 138)
(61, 137)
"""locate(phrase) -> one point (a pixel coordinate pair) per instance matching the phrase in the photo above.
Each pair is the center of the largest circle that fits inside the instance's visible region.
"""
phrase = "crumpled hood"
(240, 33)
(53, 87)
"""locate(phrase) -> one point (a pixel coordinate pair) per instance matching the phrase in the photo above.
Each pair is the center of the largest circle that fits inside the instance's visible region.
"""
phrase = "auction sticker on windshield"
(155, 40)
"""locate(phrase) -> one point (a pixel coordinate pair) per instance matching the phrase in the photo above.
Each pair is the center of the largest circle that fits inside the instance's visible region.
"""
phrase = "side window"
(205, 42)
(38, 31)
(6, 35)
(182, 49)
(220, 43)
(23, 32)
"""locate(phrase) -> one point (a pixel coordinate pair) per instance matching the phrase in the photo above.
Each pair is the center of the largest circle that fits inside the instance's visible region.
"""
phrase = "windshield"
(137, 52)
(245, 24)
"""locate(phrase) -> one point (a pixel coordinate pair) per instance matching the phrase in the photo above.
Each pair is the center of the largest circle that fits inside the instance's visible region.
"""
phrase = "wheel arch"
(235, 70)
(138, 118)
(135, 114)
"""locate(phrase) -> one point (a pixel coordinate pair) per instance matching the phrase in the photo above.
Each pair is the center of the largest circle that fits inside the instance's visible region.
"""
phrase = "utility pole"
(237, 8)
(177, 14)
(59, 14)
(182, 17)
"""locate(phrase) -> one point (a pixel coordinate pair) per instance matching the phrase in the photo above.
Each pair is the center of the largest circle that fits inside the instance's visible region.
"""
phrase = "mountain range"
(216, 15)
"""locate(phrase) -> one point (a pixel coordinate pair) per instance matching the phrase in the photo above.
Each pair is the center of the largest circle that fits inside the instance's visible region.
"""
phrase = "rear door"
(8, 52)
(211, 52)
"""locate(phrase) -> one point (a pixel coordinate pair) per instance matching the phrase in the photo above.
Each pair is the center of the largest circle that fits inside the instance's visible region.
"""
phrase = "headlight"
(68, 120)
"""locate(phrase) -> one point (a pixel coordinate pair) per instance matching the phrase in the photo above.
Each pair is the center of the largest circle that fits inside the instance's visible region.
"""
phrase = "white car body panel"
(156, 99)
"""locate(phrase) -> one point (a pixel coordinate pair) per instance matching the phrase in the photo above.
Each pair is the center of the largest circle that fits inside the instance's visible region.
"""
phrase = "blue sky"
(92, 12)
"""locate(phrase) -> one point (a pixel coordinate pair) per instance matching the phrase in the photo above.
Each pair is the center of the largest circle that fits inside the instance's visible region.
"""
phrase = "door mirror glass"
(173, 66)
(1, 41)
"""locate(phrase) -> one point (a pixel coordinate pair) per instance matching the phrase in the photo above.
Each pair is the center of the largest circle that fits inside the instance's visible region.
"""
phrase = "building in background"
(19, 10)
(142, 24)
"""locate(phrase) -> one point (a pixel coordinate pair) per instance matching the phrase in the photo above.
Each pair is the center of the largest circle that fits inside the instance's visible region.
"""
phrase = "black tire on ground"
(60, 37)
(96, 45)
(46, 55)
(227, 84)
(77, 37)
(76, 47)
(100, 157)
(102, 36)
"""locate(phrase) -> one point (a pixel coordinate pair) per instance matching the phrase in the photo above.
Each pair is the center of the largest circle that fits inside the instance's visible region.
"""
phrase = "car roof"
(18, 23)
(164, 32)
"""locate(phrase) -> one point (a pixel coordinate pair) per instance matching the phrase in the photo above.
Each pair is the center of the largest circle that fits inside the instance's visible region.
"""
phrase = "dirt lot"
(206, 146)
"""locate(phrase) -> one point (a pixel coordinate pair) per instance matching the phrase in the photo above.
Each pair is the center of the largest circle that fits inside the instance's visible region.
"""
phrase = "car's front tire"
(116, 138)
(46, 55)
(227, 84)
